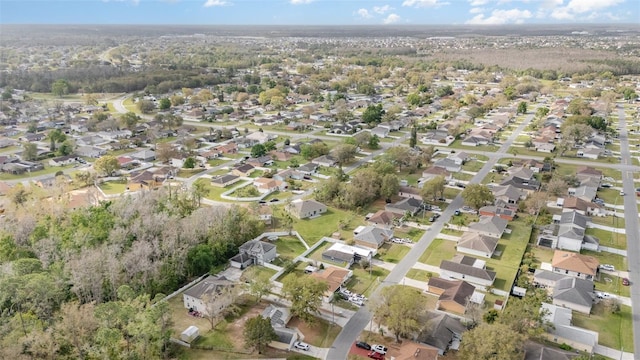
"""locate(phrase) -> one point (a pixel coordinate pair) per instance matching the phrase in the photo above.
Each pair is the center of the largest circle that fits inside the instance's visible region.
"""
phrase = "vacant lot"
(438, 250)
(392, 253)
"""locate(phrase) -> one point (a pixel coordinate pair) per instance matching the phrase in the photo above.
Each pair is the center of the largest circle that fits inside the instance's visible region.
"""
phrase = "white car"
(379, 348)
(607, 267)
(301, 346)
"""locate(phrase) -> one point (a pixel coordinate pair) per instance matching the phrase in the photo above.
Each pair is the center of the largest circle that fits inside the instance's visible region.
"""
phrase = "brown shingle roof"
(575, 262)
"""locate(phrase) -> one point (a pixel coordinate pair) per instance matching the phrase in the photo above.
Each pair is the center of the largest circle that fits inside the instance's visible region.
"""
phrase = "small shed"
(190, 334)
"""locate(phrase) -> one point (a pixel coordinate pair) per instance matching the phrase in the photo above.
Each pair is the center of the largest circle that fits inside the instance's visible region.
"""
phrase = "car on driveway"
(607, 267)
(376, 355)
(363, 345)
(301, 346)
(379, 348)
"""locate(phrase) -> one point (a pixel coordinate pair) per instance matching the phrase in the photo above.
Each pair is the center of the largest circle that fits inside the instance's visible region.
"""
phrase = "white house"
(208, 295)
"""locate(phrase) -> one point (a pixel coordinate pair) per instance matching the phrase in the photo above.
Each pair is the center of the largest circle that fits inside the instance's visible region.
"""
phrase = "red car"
(376, 355)
(625, 282)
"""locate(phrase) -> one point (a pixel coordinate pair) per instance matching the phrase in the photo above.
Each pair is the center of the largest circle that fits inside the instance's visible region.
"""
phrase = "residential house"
(383, 218)
(254, 252)
(261, 161)
(477, 244)
(50, 181)
(576, 265)
(453, 294)
(339, 252)
(587, 172)
(209, 295)
(224, 180)
(145, 155)
(413, 351)
(535, 351)
(303, 209)
(267, 186)
(279, 316)
(437, 138)
(562, 331)
(324, 160)
(528, 186)
(544, 147)
(590, 153)
(476, 140)
(144, 180)
(493, 226)
(546, 279)
(568, 233)
(280, 155)
(284, 175)
(228, 148)
(408, 205)
(63, 160)
(441, 331)
(308, 169)
(507, 194)
(448, 164)
(574, 293)
(583, 207)
(335, 277)
(459, 158)
(244, 170)
(381, 132)
(260, 137)
(433, 172)
(501, 212)
(90, 151)
(467, 268)
(371, 236)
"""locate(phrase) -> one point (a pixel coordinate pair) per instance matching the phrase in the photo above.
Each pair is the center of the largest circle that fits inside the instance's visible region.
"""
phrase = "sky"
(318, 12)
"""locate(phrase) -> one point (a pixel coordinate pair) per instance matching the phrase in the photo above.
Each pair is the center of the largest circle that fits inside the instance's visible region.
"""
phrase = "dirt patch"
(312, 334)
(236, 329)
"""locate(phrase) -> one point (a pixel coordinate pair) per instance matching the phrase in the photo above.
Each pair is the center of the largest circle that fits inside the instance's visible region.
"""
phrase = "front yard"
(614, 329)
(438, 250)
(608, 238)
(392, 253)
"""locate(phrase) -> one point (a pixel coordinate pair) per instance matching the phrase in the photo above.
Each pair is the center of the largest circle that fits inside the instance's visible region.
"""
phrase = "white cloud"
(382, 9)
(476, 10)
(423, 3)
(478, 2)
(211, 3)
(391, 19)
(298, 2)
(550, 4)
(577, 7)
(499, 17)
(363, 13)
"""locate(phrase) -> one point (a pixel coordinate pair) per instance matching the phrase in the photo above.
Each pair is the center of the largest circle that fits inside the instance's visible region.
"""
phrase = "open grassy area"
(313, 230)
(420, 275)
(523, 152)
(392, 253)
(458, 145)
(619, 261)
(408, 232)
(364, 281)
(607, 238)
(614, 329)
(288, 247)
(612, 284)
(610, 196)
(451, 193)
(214, 192)
(438, 250)
(48, 170)
(259, 271)
(113, 187)
(473, 165)
(320, 333)
(187, 173)
(616, 222)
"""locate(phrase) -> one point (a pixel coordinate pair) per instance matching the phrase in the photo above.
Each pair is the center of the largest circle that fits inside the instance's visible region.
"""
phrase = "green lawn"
(317, 254)
(260, 271)
(113, 187)
(409, 232)
(451, 193)
(214, 192)
(313, 230)
(218, 338)
(363, 282)
(392, 253)
(472, 165)
(48, 170)
(614, 329)
(523, 152)
(288, 247)
(458, 145)
(616, 222)
(610, 196)
(438, 250)
(607, 238)
(612, 284)
(420, 275)
(187, 173)
(619, 261)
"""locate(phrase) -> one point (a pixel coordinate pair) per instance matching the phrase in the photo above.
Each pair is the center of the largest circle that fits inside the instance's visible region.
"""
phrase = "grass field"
(607, 238)
(458, 145)
(438, 250)
(113, 187)
(614, 329)
(364, 282)
(420, 275)
(288, 247)
(616, 222)
(473, 165)
(610, 196)
(313, 230)
(48, 170)
(392, 253)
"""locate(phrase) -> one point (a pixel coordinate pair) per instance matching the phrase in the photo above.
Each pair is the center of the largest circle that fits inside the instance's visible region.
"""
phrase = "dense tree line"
(57, 262)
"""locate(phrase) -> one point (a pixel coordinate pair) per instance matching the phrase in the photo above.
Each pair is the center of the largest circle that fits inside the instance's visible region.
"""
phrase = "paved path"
(633, 236)
(612, 353)
(360, 320)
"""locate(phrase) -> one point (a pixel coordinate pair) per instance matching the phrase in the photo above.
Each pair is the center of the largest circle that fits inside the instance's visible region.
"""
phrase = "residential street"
(633, 237)
(361, 318)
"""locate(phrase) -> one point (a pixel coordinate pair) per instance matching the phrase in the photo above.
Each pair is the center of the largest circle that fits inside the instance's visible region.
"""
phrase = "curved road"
(362, 317)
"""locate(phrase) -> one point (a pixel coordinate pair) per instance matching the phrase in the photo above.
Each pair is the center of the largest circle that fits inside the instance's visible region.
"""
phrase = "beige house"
(574, 264)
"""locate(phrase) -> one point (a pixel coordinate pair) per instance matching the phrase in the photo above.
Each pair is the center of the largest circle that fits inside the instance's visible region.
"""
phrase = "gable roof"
(575, 262)
(574, 290)
(561, 317)
(577, 203)
(374, 235)
(334, 276)
(459, 292)
(440, 329)
(208, 286)
(464, 265)
(509, 191)
(383, 217)
(479, 242)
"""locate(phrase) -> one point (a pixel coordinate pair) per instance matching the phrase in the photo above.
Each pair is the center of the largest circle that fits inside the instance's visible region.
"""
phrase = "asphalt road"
(631, 227)
(359, 321)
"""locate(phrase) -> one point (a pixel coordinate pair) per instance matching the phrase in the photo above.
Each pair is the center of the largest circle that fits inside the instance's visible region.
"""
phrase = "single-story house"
(225, 180)
(467, 268)
(493, 226)
(324, 160)
(501, 212)
(477, 244)
(441, 331)
(371, 236)
(266, 185)
(576, 265)
(453, 294)
(383, 218)
(563, 332)
(339, 252)
(63, 160)
(243, 170)
(335, 277)
(303, 209)
(574, 293)
(407, 205)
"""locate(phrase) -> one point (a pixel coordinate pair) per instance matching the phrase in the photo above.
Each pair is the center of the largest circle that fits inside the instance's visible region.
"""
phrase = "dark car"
(363, 345)
(625, 282)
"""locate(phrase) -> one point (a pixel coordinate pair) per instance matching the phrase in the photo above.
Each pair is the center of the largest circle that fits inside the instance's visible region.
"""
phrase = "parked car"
(301, 346)
(457, 212)
(621, 193)
(606, 185)
(625, 282)
(376, 355)
(363, 345)
(604, 295)
(379, 348)
(607, 267)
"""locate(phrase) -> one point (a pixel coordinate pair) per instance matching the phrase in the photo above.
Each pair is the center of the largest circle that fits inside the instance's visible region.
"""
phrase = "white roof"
(190, 331)
(348, 249)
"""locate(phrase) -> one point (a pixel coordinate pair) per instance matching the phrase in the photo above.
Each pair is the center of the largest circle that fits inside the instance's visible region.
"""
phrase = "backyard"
(326, 224)
(613, 329)
(288, 247)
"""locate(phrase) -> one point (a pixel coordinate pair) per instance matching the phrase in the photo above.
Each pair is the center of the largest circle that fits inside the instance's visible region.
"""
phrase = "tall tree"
(413, 140)
(492, 342)
(258, 332)
(400, 308)
(30, 151)
(434, 188)
(343, 153)
(305, 295)
(55, 136)
(106, 165)
(477, 195)
(258, 150)
(129, 120)
(259, 283)
(60, 88)
(390, 186)
(522, 107)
